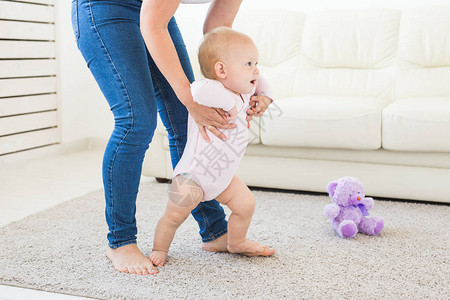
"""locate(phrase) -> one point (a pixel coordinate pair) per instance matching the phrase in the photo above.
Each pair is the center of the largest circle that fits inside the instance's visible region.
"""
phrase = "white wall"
(84, 111)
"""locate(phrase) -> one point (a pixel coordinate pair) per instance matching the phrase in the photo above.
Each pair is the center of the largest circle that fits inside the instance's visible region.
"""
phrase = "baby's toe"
(154, 259)
(160, 263)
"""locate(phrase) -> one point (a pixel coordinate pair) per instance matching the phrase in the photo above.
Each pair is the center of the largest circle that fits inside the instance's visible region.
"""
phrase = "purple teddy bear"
(350, 208)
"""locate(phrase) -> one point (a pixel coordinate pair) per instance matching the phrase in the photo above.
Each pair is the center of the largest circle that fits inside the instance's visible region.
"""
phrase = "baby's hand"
(258, 105)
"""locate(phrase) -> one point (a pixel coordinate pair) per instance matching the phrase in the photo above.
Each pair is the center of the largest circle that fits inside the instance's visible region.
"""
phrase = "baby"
(206, 171)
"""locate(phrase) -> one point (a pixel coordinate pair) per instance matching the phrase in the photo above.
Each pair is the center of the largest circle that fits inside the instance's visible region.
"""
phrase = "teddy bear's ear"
(331, 188)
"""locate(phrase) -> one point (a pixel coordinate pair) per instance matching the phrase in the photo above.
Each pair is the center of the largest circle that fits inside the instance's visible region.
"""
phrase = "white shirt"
(213, 165)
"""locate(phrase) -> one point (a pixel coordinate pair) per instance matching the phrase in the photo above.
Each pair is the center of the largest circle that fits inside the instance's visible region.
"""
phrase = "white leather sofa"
(361, 93)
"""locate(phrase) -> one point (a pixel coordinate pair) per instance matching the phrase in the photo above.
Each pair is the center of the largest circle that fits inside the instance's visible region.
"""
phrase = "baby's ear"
(219, 69)
(332, 187)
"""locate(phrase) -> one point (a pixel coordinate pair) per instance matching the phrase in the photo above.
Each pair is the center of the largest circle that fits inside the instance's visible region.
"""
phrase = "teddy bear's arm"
(331, 211)
(368, 202)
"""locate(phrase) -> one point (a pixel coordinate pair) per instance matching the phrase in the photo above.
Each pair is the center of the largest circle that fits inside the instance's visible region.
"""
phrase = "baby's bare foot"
(251, 248)
(217, 245)
(158, 257)
(129, 259)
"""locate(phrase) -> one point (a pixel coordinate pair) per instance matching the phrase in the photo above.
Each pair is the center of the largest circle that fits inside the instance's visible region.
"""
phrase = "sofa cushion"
(424, 53)
(348, 53)
(353, 39)
(424, 35)
(417, 124)
(324, 122)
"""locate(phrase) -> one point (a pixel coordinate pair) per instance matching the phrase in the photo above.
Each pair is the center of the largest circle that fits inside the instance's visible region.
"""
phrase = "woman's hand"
(211, 119)
(258, 105)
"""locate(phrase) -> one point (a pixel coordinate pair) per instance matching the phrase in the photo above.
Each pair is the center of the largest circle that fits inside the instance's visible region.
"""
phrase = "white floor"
(31, 186)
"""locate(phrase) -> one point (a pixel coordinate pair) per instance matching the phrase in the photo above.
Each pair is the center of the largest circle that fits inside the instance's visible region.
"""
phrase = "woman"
(136, 53)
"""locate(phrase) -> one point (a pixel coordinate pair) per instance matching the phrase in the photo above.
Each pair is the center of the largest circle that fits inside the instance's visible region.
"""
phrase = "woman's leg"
(109, 38)
(209, 215)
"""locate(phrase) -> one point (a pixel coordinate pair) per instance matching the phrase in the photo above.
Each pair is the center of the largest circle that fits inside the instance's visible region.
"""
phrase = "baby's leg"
(242, 203)
(184, 196)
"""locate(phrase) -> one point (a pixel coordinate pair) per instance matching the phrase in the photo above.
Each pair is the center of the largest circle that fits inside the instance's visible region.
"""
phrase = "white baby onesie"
(213, 165)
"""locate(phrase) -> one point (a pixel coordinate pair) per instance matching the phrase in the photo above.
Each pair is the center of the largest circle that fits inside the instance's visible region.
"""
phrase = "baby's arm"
(263, 88)
(213, 94)
(263, 91)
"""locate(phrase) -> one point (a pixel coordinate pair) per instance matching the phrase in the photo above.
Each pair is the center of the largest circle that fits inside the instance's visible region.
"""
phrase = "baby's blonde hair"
(214, 46)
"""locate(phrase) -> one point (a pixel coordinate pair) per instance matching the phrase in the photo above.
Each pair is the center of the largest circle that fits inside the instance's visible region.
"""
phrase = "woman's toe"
(267, 251)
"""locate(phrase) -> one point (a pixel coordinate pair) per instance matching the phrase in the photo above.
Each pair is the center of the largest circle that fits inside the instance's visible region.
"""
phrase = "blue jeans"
(108, 36)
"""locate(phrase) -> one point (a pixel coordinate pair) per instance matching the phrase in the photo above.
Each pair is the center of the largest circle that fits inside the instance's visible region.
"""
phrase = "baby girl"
(206, 171)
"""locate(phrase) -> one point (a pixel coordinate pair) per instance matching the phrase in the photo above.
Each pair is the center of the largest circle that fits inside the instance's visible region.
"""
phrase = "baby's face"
(241, 66)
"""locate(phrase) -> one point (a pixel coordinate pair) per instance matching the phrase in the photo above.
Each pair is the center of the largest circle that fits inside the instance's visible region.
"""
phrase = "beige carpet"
(63, 250)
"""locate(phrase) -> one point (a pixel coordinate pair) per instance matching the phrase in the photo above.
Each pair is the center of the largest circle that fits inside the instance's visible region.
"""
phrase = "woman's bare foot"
(251, 248)
(158, 257)
(129, 259)
(217, 245)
